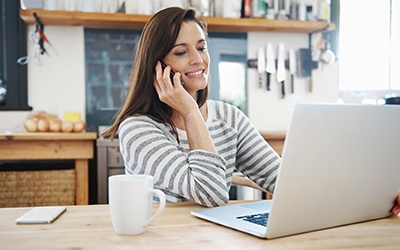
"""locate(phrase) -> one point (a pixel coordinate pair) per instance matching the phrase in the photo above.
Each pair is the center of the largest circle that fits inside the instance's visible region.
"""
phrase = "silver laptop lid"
(341, 165)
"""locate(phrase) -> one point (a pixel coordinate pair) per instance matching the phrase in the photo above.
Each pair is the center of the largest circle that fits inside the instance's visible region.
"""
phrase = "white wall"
(59, 84)
(267, 110)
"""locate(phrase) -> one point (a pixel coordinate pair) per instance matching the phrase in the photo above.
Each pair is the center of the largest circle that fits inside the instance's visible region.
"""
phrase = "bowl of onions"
(45, 122)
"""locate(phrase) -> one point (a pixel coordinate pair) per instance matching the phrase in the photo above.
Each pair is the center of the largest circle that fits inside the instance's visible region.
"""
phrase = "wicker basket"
(37, 188)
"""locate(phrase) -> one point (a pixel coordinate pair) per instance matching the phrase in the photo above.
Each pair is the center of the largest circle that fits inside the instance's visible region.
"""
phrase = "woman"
(190, 145)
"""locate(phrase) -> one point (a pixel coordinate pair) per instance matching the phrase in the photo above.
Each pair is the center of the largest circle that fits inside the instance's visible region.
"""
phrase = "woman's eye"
(180, 53)
(202, 48)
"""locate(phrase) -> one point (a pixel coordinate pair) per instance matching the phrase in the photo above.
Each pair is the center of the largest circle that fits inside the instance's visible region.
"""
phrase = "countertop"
(26, 136)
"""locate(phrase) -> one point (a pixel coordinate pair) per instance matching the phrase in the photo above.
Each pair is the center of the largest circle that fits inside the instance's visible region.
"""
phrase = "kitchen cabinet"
(53, 146)
(130, 21)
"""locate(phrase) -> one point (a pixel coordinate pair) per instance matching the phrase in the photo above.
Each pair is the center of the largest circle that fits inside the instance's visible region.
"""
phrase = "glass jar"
(324, 10)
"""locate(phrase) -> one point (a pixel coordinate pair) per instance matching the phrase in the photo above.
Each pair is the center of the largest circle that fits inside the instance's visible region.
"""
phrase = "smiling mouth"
(197, 73)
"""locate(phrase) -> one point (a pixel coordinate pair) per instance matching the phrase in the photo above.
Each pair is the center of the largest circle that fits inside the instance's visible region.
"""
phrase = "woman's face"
(190, 57)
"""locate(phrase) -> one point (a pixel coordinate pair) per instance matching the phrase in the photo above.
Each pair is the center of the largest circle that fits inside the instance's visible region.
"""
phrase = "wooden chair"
(275, 140)
(244, 181)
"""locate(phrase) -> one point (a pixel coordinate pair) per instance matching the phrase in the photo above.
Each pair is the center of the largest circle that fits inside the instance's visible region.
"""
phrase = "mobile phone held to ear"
(171, 74)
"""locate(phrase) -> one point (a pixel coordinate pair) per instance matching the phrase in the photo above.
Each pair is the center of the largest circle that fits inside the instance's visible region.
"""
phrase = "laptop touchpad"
(262, 206)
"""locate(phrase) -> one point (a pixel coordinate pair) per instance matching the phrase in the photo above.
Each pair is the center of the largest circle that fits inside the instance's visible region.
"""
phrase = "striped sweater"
(149, 147)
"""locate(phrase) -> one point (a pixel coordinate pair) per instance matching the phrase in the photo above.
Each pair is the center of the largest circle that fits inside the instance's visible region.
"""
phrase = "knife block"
(305, 64)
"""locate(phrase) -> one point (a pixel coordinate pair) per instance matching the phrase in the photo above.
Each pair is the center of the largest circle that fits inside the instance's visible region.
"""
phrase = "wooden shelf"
(129, 21)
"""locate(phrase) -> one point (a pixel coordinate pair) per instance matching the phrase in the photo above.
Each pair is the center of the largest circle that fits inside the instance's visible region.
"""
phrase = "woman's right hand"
(173, 94)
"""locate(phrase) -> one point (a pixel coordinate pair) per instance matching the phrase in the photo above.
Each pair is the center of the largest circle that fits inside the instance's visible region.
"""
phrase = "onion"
(55, 125)
(79, 126)
(43, 125)
(67, 126)
(31, 125)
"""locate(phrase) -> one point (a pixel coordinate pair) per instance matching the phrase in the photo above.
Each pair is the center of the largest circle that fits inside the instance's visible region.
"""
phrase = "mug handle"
(161, 205)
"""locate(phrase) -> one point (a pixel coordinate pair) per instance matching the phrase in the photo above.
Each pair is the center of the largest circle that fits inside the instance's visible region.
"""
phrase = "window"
(108, 58)
(109, 55)
(228, 54)
(369, 50)
(232, 79)
(13, 77)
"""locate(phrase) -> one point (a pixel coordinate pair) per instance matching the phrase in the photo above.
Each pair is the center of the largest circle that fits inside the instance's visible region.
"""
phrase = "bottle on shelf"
(246, 9)
(324, 10)
(309, 15)
(302, 11)
(294, 10)
(259, 8)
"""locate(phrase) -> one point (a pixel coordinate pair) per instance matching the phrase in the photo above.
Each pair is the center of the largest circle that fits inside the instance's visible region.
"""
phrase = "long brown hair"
(158, 38)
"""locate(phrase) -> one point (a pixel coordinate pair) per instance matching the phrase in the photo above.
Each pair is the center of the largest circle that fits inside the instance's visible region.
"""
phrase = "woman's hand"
(173, 94)
(396, 208)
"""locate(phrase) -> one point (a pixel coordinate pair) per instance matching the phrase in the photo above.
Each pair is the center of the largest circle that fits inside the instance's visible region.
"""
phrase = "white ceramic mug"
(131, 198)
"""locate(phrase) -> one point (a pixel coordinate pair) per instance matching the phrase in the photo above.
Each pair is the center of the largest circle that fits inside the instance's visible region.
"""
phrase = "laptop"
(340, 165)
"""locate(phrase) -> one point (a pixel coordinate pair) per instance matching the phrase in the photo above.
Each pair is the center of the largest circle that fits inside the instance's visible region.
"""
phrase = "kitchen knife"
(271, 66)
(292, 67)
(305, 66)
(260, 64)
(281, 74)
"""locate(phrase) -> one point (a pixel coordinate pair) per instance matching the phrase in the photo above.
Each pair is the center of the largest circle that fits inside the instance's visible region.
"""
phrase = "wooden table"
(53, 146)
(89, 227)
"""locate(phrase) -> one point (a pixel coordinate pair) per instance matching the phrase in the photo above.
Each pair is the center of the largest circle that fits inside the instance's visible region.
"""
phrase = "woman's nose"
(196, 58)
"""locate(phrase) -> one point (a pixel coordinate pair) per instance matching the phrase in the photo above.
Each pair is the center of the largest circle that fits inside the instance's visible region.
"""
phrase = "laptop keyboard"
(259, 219)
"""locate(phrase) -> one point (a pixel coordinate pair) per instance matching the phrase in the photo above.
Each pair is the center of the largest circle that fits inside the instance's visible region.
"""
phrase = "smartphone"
(41, 215)
(171, 74)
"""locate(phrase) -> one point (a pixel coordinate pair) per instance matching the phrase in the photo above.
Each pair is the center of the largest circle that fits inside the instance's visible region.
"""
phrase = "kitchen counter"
(47, 136)
(53, 146)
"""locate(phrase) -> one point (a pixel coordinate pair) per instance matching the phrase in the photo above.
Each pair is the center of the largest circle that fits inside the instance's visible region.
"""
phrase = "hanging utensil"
(292, 67)
(327, 56)
(305, 60)
(280, 74)
(271, 66)
(260, 65)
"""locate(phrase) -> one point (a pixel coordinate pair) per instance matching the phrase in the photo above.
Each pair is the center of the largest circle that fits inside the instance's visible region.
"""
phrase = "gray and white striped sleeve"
(255, 157)
(150, 148)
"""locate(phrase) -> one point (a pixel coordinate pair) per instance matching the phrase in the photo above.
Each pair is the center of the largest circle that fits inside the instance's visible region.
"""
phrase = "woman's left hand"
(396, 208)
